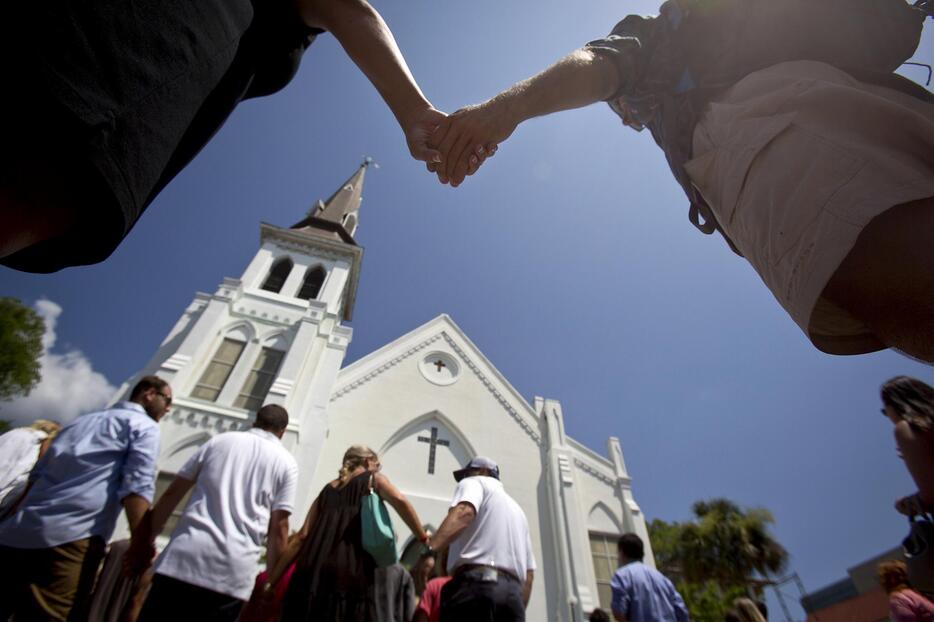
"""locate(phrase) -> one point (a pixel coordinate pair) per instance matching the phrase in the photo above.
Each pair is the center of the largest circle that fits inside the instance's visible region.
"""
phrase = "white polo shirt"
(498, 536)
(240, 478)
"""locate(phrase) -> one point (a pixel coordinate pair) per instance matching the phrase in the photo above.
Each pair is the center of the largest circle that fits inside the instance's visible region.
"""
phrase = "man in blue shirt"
(51, 546)
(640, 593)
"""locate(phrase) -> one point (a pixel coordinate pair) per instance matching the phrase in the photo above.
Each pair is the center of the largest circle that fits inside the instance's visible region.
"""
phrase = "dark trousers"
(49, 584)
(470, 597)
(173, 600)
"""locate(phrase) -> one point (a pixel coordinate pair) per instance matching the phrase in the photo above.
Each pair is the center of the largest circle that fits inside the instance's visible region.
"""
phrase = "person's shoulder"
(18, 435)
(283, 458)
(634, 24)
(132, 413)
(904, 431)
(657, 575)
(639, 571)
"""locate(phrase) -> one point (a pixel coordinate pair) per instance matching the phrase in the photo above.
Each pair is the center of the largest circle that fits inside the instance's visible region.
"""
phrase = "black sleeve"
(627, 45)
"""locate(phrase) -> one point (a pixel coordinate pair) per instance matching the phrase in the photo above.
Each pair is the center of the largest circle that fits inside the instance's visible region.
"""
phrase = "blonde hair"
(44, 425)
(355, 457)
(747, 611)
(893, 575)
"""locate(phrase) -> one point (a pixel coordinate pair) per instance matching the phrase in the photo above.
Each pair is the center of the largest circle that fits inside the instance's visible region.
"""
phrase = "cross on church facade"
(439, 364)
(434, 441)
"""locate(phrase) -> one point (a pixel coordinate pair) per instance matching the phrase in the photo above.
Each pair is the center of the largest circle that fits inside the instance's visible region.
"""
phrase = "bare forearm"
(276, 542)
(458, 519)
(167, 503)
(369, 42)
(527, 587)
(579, 79)
(405, 510)
(284, 559)
(135, 507)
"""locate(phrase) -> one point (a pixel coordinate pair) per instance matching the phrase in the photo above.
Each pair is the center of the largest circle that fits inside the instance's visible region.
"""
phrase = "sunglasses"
(167, 398)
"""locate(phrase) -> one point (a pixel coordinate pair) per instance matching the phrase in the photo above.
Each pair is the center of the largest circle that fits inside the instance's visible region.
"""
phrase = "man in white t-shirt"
(490, 556)
(243, 488)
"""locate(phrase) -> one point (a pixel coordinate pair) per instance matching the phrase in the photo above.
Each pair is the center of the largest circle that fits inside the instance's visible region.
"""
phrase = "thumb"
(425, 153)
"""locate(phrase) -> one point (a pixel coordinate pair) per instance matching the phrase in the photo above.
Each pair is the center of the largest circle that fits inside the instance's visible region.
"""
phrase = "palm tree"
(730, 546)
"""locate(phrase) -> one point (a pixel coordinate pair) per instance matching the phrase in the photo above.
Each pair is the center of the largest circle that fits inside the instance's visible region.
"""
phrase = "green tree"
(5, 426)
(21, 331)
(723, 553)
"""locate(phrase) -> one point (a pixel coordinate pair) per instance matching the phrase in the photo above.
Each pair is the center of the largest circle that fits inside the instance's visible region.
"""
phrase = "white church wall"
(337, 274)
(602, 519)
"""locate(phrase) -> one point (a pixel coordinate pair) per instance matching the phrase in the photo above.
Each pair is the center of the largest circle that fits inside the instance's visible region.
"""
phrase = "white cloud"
(69, 385)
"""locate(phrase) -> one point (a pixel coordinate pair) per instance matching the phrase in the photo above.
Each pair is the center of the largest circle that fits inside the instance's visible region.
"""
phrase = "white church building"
(426, 403)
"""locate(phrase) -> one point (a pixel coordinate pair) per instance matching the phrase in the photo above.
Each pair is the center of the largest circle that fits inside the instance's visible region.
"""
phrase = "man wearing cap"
(490, 557)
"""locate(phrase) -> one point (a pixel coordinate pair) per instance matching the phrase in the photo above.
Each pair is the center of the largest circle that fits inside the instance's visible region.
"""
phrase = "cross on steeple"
(439, 364)
(434, 441)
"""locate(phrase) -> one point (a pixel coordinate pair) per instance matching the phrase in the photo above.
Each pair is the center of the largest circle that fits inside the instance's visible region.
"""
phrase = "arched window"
(218, 370)
(259, 381)
(278, 275)
(603, 551)
(311, 286)
(350, 223)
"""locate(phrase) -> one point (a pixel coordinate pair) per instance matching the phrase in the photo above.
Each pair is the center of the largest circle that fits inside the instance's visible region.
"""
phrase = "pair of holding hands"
(455, 146)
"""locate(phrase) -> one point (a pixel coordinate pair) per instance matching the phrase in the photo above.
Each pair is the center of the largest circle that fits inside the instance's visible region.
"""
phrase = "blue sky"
(568, 259)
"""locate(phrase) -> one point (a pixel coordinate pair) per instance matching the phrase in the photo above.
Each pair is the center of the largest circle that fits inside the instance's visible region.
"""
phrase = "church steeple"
(339, 215)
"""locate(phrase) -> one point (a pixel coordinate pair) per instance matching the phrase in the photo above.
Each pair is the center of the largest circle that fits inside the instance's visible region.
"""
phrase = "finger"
(463, 166)
(473, 163)
(425, 153)
(476, 160)
(446, 146)
(440, 131)
(460, 150)
(456, 166)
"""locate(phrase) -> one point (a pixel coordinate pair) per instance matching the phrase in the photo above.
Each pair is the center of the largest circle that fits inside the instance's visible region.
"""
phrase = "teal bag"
(379, 539)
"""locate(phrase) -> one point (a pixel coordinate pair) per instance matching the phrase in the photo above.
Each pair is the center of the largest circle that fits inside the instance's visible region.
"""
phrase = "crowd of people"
(241, 488)
(63, 499)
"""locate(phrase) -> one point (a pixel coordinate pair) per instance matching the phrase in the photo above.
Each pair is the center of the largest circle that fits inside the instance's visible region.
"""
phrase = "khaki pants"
(49, 584)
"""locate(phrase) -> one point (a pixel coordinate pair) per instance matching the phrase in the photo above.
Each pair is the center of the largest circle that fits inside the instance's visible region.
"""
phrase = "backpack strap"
(698, 210)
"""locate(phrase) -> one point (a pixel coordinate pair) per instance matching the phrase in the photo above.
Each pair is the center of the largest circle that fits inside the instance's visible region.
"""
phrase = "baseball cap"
(477, 462)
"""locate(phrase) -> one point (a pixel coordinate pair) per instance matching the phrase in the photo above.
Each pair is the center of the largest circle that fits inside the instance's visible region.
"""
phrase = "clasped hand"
(466, 138)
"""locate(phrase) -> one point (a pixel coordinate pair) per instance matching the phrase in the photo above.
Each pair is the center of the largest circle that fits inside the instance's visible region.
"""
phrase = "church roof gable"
(441, 329)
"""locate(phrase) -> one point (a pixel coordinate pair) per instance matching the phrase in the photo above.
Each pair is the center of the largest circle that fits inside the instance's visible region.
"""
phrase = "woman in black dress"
(105, 102)
(333, 577)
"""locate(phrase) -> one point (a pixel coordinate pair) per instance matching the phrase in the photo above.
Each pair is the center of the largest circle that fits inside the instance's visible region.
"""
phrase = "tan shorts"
(795, 160)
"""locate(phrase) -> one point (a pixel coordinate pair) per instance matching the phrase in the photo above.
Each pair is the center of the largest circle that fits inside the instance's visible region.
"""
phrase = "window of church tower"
(605, 562)
(350, 223)
(278, 275)
(311, 286)
(215, 376)
(260, 379)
